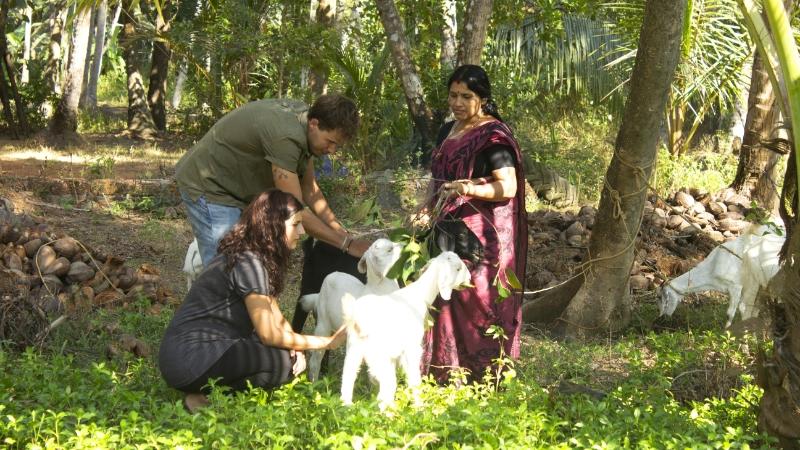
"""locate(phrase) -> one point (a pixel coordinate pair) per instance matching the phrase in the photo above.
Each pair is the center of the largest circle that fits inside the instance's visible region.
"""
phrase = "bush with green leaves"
(70, 395)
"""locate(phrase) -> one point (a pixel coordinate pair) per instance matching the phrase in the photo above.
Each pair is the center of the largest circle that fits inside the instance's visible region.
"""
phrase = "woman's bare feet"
(194, 402)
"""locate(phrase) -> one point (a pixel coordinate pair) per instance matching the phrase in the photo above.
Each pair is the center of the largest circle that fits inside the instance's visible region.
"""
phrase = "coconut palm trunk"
(140, 122)
(474, 31)
(602, 301)
(448, 55)
(412, 86)
(99, 50)
(65, 119)
(159, 67)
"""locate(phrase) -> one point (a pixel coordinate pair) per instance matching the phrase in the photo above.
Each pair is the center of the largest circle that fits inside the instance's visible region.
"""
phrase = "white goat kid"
(738, 268)
(327, 304)
(386, 330)
(192, 264)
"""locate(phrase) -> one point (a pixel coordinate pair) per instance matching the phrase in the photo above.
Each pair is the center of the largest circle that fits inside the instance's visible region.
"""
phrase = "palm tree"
(779, 372)
(65, 119)
(709, 75)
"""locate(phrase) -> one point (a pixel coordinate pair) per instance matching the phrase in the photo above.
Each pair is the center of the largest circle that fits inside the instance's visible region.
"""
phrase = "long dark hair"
(262, 230)
(478, 82)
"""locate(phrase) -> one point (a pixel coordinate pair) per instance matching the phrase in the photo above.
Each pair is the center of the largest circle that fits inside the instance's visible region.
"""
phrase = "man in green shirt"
(261, 145)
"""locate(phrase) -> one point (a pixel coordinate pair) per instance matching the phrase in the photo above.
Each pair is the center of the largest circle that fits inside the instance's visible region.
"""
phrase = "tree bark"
(157, 91)
(474, 31)
(758, 124)
(54, 60)
(65, 119)
(412, 86)
(87, 66)
(140, 122)
(448, 57)
(602, 303)
(99, 50)
(325, 16)
(26, 52)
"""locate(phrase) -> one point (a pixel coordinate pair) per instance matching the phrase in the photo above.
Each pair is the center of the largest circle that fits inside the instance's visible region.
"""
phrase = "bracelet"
(346, 243)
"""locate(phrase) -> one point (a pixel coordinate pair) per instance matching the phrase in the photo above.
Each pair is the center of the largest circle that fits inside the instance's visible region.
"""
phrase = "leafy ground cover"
(677, 383)
(680, 389)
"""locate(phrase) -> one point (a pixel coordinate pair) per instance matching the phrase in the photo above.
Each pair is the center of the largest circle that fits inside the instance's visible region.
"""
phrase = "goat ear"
(362, 263)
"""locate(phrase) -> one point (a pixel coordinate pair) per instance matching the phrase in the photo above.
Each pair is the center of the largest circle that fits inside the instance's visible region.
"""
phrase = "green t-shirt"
(232, 163)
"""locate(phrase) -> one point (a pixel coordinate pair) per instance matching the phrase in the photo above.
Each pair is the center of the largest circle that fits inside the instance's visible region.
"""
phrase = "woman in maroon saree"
(478, 163)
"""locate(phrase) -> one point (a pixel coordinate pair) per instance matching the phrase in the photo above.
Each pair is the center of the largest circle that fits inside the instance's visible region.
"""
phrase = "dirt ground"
(29, 168)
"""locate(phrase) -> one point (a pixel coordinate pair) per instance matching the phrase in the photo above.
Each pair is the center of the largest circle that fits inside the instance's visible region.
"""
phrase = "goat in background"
(738, 267)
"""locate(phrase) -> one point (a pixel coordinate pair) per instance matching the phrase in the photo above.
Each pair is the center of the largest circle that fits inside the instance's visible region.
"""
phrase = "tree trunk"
(54, 59)
(26, 52)
(412, 86)
(474, 31)
(99, 50)
(4, 85)
(140, 122)
(602, 303)
(157, 91)
(449, 31)
(87, 66)
(325, 16)
(65, 119)
(758, 123)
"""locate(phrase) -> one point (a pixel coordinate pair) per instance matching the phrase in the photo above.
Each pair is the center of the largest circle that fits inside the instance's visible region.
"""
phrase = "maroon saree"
(458, 337)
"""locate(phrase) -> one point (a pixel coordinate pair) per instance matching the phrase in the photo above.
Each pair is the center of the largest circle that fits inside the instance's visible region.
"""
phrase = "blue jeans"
(210, 222)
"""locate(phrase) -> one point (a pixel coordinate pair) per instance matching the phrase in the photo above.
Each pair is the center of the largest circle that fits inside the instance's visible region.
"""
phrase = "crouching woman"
(229, 328)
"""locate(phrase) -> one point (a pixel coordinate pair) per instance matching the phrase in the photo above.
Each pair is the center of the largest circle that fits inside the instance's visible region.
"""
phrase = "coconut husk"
(31, 247)
(79, 272)
(66, 247)
(59, 267)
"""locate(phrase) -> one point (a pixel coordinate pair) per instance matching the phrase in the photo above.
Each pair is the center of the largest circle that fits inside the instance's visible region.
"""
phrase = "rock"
(732, 225)
(675, 222)
(707, 216)
(46, 257)
(684, 199)
(59, 267)
(715, 235)
(717, 208)
(576, 229)
(738, 200)
(735, 208)
(734, 215)
(79, 272)
(575, 241)
(639, 283)
(656, 220)
(543, 277)
(678, 209)
(66, 247)
(32, 246)
(53, 284)
(698, 208)
(661, 212)
(587, 210)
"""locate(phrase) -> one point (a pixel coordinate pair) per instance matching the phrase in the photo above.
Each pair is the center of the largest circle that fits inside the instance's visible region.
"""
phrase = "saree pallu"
(458, 337)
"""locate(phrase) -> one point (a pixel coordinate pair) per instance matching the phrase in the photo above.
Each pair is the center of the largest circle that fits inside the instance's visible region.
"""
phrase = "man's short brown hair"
(336, 112)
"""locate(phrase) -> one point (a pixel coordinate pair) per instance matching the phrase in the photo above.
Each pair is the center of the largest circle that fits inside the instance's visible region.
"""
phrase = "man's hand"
(458, 187)
(358, 247)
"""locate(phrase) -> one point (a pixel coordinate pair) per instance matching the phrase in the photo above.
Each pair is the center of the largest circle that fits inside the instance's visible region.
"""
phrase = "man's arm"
(315, 199)
(289, 182)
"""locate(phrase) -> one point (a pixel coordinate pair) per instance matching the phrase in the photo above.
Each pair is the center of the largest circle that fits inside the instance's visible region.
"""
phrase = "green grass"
(69, 395)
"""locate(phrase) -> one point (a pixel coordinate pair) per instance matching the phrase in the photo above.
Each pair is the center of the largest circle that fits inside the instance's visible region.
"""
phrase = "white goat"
(192, 264)
(327, 304)
(386, 330)
(738, 268)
